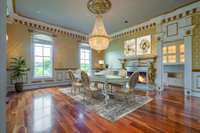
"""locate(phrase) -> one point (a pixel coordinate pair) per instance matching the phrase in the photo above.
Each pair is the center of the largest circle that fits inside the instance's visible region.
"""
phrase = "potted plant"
(19, 69)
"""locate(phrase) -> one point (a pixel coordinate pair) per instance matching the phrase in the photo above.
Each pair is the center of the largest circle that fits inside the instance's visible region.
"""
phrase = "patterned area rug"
(114, 110)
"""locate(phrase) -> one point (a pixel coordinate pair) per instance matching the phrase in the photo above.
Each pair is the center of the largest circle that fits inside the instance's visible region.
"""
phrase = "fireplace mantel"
(138, 58)
(143, 60)
(142, 64)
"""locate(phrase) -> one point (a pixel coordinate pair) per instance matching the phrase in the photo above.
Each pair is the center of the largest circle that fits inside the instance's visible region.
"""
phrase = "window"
(43, 59)
(169, 54)
(85, 58)
(182, 52)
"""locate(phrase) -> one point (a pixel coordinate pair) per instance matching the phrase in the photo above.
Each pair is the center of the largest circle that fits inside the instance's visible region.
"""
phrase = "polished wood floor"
(49, 111)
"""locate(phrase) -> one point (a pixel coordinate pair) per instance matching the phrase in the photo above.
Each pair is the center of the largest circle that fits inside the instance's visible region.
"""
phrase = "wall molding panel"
(60, 78)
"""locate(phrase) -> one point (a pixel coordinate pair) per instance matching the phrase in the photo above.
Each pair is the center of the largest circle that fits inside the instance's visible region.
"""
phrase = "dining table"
(109, 79)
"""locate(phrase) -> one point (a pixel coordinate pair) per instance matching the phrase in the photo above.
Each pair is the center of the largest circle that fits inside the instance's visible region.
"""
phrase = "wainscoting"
(60, 77)
(196, 84)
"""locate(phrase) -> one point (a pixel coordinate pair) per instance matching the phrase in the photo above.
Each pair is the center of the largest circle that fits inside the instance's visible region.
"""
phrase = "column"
(2, 66)
(188, 62)
(159, 64)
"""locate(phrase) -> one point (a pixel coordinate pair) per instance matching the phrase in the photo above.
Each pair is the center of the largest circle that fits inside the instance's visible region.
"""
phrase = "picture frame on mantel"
(172, 29)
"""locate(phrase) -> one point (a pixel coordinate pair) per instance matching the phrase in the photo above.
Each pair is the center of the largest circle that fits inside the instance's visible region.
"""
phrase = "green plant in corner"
(19, 69)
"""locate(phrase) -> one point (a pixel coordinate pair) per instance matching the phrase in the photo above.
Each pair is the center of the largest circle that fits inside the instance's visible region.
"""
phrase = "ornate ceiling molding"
(34, 24)
(179, 13)
(99, 6)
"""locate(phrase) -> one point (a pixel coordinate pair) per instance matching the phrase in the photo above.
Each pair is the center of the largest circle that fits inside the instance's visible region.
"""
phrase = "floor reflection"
(42, 113)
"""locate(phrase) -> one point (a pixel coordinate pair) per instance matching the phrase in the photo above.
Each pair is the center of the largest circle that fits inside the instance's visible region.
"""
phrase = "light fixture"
(6, 37)
(99, 39)
(101, 62)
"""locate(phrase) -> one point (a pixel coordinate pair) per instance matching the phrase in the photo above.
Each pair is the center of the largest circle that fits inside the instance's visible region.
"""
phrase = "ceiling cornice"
(14, 18)
(179, 13)
(32, 23)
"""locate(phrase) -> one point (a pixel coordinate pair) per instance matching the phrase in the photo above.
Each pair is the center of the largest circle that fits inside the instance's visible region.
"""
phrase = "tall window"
(85, 58)
(43, 56)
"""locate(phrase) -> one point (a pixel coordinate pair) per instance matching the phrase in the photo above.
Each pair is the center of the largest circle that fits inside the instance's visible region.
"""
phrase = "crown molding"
(178, 13)
(34, 24)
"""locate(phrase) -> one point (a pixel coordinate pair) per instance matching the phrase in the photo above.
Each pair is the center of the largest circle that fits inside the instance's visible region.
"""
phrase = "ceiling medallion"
(99, 39)
(99, 6)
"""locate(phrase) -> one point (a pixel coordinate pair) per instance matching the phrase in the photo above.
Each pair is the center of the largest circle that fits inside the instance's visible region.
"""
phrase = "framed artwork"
(130, 47)
(144, 45)
(172, 29)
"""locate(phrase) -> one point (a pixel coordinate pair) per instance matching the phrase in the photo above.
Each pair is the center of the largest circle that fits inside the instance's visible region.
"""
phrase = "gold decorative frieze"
(134, 30)
(179, 16)
(33, 24)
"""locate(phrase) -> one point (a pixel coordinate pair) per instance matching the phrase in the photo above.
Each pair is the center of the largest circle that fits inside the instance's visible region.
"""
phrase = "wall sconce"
(101, 62)
(6, 37)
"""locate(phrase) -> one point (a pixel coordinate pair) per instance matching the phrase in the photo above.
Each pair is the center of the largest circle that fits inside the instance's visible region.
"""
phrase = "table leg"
(107, 97)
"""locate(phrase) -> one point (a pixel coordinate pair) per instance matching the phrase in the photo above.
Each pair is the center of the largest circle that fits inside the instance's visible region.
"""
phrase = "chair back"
(85, 79)
(133, 80)
(71, 75)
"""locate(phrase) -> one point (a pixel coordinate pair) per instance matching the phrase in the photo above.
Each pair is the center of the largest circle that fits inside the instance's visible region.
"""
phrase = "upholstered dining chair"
(127, 93)
(76, 85)
(89, 90)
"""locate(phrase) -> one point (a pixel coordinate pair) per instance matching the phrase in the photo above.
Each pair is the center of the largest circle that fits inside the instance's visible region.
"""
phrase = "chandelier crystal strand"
(99, 39)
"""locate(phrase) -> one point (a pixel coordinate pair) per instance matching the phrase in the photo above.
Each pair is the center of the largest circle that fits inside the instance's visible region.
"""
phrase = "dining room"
(96, 66)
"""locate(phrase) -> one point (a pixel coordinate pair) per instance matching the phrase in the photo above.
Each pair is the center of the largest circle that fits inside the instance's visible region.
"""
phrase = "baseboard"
(38, 86)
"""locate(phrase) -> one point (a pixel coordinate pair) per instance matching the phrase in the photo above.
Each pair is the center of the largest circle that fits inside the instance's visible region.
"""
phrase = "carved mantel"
(138, 61)
(142, 64)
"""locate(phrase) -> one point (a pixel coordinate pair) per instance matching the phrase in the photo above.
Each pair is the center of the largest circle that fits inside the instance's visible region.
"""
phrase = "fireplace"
(142, 79)
(145, 65)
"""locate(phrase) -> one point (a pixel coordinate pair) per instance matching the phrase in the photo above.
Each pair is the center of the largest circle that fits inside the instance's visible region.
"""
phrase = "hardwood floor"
(49, 111)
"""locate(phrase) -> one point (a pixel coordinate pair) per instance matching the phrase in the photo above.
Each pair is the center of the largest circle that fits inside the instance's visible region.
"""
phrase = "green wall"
(114, 53)
(115, 50)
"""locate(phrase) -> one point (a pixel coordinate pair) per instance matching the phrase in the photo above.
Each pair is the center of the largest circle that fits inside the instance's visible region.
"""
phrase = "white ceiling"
(73, 14)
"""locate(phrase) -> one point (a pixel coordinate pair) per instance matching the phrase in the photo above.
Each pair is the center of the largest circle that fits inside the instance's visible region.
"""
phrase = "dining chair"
(127, 93)
(75, 83)
(89, 90)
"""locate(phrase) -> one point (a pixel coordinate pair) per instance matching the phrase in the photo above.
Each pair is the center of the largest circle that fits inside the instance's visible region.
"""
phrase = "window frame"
(86, 46)
(177, 53)
(42, 42)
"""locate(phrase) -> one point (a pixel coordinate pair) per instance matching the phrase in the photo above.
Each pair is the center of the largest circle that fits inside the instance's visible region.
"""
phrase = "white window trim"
(90, 57)
(33, 59)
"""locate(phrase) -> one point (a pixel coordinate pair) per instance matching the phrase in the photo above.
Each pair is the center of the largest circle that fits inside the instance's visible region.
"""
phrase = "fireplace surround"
(141, 64)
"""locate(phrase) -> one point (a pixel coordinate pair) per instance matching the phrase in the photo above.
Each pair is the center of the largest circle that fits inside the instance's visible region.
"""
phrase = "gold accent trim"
(63, 69)
(195, 70)
(92, 36)
(14, 5)
(99, 6)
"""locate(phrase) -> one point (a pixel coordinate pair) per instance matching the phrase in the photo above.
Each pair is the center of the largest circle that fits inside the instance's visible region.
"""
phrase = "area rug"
(114, 110)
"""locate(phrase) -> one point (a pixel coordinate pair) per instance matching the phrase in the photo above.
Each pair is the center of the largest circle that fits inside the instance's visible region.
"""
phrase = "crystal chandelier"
(99, 39)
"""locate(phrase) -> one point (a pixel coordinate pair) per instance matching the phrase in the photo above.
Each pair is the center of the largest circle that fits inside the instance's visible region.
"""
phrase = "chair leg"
(72, 89)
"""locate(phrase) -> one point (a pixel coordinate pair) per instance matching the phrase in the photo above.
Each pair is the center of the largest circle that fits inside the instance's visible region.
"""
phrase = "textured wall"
(116, 48)
(18, 42)
(66, 53)
(196, 42)
(65, 49)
